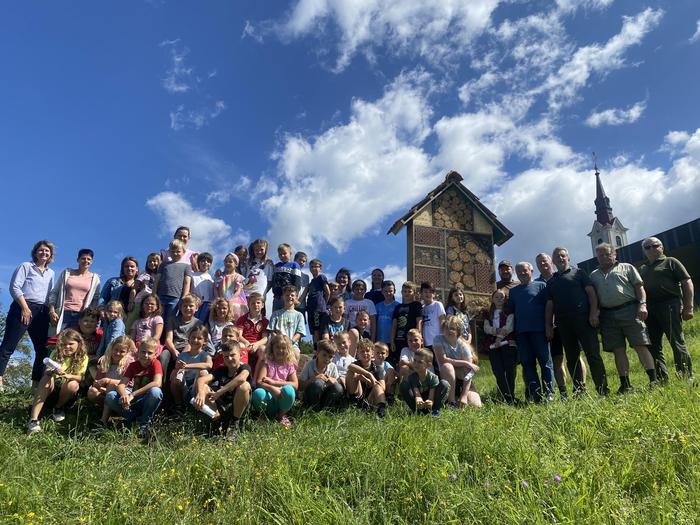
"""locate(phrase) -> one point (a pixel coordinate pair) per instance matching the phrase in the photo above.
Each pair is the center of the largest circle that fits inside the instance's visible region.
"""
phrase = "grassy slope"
(632, 459)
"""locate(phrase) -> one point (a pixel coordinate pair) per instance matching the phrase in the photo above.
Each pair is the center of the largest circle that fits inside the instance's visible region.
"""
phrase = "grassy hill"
(630, 459)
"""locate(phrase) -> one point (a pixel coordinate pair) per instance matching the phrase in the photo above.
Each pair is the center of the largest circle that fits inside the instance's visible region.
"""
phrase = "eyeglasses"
(650, 246)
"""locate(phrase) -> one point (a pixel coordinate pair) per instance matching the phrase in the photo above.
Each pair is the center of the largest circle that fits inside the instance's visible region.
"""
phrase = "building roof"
(603, 210)
(500, 233)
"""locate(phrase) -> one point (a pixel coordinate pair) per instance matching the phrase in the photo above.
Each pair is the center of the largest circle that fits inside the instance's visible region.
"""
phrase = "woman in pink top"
(73, 291)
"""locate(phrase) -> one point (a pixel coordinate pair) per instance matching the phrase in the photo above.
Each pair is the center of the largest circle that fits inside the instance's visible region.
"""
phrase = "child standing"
(173, 280)
(457, 363)
(138, 394)
(242, 254)
(376, 293)
(407, 315)
(408, 354)
(150, 322)
(286, 273)
(498, 326)
(433, 313)
(190, 362)
(260, 269)
(110, 369)
(457, 305)
(143, 286)
(342, 358)
(358, 303)
(58, 387)
(114, 325)
(317, 295)
(278, 382)
(334, 321)
(343, 278)
(177, 331)
(385, 311)
(363, 382)
(226, 390)
(229, 285)
(319, 379)
(300, 258)
(287, 320)
(203, 285)
(423, 391)
(360, 330)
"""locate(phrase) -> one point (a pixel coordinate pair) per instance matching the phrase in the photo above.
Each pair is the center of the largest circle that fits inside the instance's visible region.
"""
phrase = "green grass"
(631, 459)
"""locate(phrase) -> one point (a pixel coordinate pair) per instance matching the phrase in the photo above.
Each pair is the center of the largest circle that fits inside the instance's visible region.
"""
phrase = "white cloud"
(616, 116)
(696, 35)
(178, 77)
(392, 272)
(332, 188)
(564, 84)
(208, 233)
(182, 117)
(434, 30)
(250, 31)
(573, 5)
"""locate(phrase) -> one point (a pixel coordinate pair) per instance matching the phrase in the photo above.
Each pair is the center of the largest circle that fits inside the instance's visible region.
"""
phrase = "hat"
(505, 262)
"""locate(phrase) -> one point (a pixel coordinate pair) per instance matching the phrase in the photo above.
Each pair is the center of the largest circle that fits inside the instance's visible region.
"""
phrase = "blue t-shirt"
(385, 314)
(527, 303)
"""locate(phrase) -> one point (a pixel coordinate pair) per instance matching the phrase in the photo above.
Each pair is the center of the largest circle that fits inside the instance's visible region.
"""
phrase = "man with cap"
(505, 272)
(670, 301)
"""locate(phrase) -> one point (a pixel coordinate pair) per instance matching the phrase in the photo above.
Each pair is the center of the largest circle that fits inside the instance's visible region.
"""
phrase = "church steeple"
(607, 227)
(603, 210)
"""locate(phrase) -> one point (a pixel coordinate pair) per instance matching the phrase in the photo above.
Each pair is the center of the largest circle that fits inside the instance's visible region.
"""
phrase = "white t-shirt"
(203, 286)
(342, 363)
(352, 306)
(407, 357)
(431, 321)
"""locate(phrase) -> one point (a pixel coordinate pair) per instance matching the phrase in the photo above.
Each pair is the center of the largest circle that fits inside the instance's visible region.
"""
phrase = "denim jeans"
(320, 395)
(15, 329)
(169, 304)
(142, 406)
(534, 350)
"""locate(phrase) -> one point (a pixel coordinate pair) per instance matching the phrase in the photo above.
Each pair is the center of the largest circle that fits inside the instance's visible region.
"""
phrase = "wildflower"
(557, 478)
(525, 484)
(453, 477)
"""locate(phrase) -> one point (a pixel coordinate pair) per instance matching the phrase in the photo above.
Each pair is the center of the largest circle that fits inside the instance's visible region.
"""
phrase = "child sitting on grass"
(414, 342)
(253, 327)
(287, 320)
(423, 391)
(360, 330)
(113, 325)
(138, 394)
(387, 372)
(278, 381)
(364, 384)
(110, 369)
(178, 329)
(319, 379)
(226, 390)
(457, 363)
(220, 316)
(58, 387)
(189, 363)
(342, 358)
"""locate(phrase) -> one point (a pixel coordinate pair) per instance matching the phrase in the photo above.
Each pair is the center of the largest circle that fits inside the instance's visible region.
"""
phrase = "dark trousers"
(439, 399)
(320, 395)
(577, 333)
(504, 361)
(15, 329)
(534, 350)
(665, 319)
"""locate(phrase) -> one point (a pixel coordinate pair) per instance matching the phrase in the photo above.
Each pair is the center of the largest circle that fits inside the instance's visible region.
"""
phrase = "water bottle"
(469, 375)
(206, 409)
(51, 364)
(180, 376)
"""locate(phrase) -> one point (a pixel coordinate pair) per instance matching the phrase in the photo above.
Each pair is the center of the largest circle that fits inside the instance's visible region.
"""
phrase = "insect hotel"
(450, 239)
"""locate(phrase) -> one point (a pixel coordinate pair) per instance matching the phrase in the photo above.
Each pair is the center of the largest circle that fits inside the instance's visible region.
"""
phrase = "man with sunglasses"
(670, 300)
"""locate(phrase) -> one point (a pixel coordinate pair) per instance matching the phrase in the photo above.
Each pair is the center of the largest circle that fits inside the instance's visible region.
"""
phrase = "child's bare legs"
(176, 388)
(376, 396)
(353, 385)
(469, 397)
(447, 372)
(259, 361)
(43, 389)
(389, 381)
(404, 372)
(96, 394)
(67, 392)
(241, 399)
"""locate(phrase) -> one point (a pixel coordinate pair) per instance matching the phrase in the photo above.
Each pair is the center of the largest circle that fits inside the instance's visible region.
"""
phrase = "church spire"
(603, 210)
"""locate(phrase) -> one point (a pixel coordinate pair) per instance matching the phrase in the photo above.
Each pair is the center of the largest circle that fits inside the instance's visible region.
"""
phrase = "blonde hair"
(213, 309)
(177, 243)
(150, 342)
(410, 284)
(341, 335)
(106, 360)
(452, 322)
(118, 305)
(76, 360)
(327, 346)
(415, 332)
(190, 298)
(365, 344)
(382, 346)
(286, 342)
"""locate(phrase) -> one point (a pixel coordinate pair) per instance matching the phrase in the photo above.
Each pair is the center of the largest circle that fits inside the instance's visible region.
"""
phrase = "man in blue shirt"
(527, 302)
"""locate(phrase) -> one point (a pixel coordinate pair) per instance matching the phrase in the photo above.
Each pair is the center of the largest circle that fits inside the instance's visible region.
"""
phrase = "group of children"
(189, 338)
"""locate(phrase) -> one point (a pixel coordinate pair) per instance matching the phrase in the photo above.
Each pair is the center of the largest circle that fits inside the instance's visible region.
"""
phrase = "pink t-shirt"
(145, 327)
(280, 372)
(77, 288)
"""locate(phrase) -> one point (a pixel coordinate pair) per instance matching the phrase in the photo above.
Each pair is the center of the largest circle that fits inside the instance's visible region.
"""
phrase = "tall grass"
(625, 459)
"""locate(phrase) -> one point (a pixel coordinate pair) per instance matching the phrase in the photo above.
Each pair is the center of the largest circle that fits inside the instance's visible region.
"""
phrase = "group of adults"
(560, 313)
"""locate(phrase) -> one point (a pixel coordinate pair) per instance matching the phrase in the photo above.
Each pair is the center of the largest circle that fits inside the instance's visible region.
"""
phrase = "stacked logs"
(451, 212)
(461, 260)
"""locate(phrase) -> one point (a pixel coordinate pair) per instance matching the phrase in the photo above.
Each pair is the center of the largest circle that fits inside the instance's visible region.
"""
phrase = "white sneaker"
(58, 415)
(33, 427)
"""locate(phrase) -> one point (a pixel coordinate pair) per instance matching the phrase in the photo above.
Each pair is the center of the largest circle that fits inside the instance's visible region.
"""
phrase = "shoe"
(435, 412)
(58, 415)
(381, 410)
(144, 433)
(232, 434)
(33, 427)
(285, 422)
(624, 389)
(453, 405)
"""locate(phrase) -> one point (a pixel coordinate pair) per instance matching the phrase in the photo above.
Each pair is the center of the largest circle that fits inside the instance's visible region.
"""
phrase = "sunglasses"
(650, 246)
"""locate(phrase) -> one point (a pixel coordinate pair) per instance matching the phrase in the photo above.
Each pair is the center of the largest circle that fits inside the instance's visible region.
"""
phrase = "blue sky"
(320, 122)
